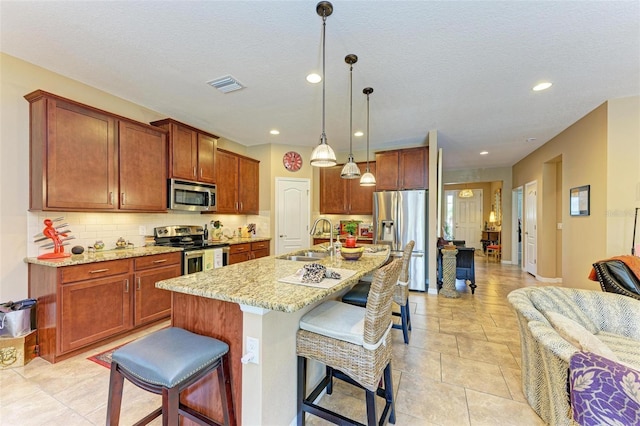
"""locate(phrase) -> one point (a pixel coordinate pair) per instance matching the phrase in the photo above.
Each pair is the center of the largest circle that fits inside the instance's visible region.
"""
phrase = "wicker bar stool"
(355, 345)
(166, 362)
(359, 293)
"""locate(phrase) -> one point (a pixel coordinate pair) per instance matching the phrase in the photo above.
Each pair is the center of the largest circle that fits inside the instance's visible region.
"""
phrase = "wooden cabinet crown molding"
(164, 121)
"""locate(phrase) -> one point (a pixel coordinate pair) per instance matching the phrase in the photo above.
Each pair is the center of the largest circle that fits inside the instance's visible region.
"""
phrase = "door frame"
(307, 220)
(517, 206)
(526, 230)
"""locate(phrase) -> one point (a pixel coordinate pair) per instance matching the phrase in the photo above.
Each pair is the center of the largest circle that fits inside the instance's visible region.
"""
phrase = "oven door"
(192, 262)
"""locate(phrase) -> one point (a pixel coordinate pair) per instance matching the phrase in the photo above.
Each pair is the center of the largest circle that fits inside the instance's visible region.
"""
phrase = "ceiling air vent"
(226, 84)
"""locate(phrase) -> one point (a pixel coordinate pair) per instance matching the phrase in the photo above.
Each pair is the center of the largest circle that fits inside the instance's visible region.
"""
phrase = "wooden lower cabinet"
(151, 303)
(248, 251)
(81, 305)
(93, 310)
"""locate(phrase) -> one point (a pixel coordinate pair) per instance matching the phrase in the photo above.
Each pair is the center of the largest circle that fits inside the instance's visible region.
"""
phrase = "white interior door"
(467, 218)
(531, 227)
(292, 214)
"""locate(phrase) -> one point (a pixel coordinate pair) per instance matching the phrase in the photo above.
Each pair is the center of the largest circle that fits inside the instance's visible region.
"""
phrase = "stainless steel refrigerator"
(399, 217)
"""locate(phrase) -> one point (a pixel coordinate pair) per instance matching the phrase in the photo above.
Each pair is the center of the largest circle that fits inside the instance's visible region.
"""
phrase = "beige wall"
(623, 174)
(582, 149)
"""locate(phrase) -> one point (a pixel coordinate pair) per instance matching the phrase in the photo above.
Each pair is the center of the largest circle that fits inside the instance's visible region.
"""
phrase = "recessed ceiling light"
(358, 134)
(314, 78)
(484, 152)
(542, 86)
(275, 132)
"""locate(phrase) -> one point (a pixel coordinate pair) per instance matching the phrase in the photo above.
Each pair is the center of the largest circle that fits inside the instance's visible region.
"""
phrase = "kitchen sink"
(305, 256)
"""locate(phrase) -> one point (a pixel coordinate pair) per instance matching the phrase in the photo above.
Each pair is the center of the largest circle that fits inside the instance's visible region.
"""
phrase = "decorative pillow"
(579, 336)
(603, 392)
(555, 299)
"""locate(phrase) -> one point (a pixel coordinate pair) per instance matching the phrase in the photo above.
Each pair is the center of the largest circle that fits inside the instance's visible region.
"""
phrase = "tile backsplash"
(108, 227)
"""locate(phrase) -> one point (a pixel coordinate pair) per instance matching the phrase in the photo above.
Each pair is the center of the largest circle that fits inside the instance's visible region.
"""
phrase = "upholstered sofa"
(607, 323)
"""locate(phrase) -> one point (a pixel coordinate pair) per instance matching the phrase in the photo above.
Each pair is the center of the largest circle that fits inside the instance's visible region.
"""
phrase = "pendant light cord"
(367, 132)
(323, 137)
(351, 113)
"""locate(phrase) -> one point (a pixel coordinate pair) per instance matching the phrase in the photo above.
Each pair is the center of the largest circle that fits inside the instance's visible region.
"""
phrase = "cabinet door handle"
(241, 205)
(126, 285)
(194, 171)
(236, 205)
(97, 271)
(139, 284)
(160, 261)
(111, 198)
(122, 198)
(200, 171)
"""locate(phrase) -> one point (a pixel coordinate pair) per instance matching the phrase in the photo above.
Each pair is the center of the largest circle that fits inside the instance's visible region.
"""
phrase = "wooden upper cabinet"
(83, 159)
(226, 182)
(333, 191)
(361, 197)
(345, 196)
(248, 185)
(143, 151)
(237, 182)
(402, 169)
(191, 151)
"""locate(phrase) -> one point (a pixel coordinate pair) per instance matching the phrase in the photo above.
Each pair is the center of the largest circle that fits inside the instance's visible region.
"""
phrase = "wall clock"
(292, 161)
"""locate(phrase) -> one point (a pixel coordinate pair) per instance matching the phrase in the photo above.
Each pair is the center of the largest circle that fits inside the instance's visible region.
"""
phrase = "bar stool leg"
(170, 403)
(372, 418)
(388, 393)
(116, 383)
(302, 389)
(224, 382)
(405, 323)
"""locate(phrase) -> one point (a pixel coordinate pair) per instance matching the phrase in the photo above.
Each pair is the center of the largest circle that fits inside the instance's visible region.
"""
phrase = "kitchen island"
(248, 300)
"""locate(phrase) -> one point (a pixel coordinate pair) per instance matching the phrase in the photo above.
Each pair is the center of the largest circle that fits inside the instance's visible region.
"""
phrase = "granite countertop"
(232, 241)
(255, 282)
(116, 254)
(102, 256)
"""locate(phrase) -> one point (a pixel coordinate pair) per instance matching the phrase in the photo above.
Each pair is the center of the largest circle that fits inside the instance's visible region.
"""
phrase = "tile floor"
(460, 368)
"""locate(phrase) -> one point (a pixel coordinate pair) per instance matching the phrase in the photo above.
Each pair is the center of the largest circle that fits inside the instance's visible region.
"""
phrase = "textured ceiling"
(463, 68)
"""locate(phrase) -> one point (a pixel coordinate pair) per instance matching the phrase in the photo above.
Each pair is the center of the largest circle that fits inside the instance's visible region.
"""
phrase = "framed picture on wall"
(579, 200)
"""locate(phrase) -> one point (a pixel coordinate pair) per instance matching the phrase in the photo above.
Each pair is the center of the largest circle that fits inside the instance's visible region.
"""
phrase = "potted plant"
(352, 229)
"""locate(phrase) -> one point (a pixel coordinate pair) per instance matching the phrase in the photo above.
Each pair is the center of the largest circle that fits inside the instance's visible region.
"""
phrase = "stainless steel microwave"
(191, 196)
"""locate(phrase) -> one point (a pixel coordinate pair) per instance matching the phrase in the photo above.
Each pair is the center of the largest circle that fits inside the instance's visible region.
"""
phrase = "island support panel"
(220, 320)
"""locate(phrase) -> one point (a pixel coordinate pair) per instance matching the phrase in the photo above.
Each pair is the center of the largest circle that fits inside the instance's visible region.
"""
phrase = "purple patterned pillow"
(603, 392)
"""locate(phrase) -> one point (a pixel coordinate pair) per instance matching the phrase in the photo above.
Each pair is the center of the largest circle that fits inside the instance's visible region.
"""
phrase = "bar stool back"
(355, 345)
(359, 293)
(166, 362)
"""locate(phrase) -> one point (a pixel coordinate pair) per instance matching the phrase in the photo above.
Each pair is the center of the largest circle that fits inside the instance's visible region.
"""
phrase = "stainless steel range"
(198, 254)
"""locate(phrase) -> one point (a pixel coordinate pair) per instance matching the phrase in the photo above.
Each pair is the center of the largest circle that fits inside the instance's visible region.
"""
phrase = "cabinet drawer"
(146, 262)
(259, 245)
(94, 270)
(256, 254)
(239, 248)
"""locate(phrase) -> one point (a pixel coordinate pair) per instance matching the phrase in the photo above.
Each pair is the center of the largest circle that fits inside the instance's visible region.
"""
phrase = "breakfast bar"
(250, 300)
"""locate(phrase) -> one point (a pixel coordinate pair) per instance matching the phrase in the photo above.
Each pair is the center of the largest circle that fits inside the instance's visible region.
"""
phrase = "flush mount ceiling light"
(367, 179)
(226, 84)
(314, 78)
(323, 155)
(542, 86)
(351, 169)
(465, 193)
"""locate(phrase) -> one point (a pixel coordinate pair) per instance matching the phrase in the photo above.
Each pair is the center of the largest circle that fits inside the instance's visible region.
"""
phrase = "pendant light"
(323, 155)
(351, 169)
(367, 179)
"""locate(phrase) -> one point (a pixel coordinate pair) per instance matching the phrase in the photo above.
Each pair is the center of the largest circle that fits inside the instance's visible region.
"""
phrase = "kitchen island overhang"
(246, 299)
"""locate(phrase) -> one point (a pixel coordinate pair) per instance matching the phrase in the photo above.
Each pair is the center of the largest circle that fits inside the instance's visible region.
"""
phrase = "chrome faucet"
(313, 231)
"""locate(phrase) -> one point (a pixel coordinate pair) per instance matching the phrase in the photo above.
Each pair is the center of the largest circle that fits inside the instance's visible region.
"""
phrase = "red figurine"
(58, 249)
